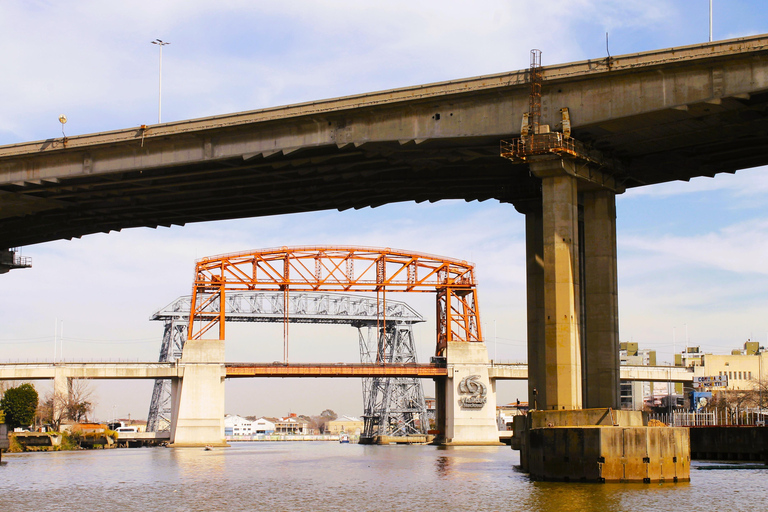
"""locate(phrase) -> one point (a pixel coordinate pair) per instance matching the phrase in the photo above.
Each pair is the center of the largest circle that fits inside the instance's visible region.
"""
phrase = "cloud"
(741, 248)
(93, 61)
(742, 184)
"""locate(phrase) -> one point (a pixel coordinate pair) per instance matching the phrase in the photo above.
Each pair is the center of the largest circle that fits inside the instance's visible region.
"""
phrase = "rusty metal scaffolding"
(536, 140)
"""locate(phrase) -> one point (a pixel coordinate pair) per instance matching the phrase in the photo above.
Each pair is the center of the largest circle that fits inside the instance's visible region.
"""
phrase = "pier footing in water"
(601, 445)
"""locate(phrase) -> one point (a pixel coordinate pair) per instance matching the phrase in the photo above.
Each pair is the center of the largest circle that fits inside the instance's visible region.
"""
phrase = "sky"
(692, 256)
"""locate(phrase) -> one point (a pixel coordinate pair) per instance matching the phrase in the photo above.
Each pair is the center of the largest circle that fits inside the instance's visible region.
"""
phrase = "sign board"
(714, 381)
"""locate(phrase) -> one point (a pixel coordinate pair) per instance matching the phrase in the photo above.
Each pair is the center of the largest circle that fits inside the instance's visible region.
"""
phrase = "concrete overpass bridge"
(663, 115)
(154, 370)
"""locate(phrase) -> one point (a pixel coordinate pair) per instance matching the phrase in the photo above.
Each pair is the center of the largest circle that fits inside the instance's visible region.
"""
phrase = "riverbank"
(19, 442)
(290, 437)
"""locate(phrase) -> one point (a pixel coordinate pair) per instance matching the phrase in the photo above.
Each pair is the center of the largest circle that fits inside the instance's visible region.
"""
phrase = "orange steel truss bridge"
(338, 269)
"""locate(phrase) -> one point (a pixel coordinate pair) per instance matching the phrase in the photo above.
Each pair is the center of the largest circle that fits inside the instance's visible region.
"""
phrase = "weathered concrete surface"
(198, 398)
(583, 417)
(667, 115)
(560, 386)
(468, 396)
(743, 443)
(506, 371)
(600, 445)
(37, 439)
(609, 454)
(600, 364)
(59, 371)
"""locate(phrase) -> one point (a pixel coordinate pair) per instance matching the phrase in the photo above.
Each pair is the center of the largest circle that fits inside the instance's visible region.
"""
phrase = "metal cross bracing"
(264, 306)
(174, 336)
(393, 407)
(260, 306)
(338, 269)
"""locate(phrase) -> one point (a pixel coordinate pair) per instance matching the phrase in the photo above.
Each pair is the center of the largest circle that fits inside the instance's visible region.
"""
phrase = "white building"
(237, 426)
(263, 426)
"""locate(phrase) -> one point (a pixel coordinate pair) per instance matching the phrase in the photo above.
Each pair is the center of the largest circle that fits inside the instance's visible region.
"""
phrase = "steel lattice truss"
(260, 306)
(174, 336)
(393, 407)
(263, 306)
(339, 269)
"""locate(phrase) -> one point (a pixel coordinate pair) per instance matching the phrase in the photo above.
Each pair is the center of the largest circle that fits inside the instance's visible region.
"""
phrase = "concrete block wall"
(609, 454)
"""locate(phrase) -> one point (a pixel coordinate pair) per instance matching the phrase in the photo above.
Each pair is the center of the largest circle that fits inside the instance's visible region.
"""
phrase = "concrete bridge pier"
(466, 398)
(572, 282)
(62, 386)
(574, 430)
(197, 400)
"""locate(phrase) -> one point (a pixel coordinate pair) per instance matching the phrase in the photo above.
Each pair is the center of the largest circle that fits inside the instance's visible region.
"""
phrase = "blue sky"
(692, 255)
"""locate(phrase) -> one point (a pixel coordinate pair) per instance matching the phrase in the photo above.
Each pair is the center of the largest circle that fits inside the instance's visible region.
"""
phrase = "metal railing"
(714, 417)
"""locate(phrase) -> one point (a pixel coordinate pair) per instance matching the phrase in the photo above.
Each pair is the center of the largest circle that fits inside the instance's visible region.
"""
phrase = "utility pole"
(160, 43)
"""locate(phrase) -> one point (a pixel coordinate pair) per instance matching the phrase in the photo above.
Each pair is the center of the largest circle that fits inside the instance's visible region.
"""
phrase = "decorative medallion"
(476, 390)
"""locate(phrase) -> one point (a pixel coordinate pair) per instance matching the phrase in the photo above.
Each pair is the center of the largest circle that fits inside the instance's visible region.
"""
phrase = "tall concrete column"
(61, 388)
(562, 349)
(601, 343)
(534, 269)
(198, 398)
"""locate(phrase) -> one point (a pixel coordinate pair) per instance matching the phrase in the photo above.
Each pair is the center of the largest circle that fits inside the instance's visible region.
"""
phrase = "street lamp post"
(160, 43)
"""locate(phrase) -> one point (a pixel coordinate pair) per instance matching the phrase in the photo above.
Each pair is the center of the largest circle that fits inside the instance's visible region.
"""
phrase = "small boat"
(208, 448)
(343, 437)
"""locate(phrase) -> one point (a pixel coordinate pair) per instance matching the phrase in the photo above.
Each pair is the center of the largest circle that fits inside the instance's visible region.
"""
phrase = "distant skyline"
(691, 255)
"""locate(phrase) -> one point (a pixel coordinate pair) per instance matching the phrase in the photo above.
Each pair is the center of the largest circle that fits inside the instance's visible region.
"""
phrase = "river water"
(333, 476)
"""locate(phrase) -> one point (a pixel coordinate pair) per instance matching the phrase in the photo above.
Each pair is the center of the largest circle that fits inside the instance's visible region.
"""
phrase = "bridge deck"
(335, 370)
(138, 370)
(664, 115)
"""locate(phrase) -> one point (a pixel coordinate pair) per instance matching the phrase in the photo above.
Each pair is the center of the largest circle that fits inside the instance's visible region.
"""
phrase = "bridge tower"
(394, 408)
(573, 328)
(174, 336)
(303, 307)
(199, 396)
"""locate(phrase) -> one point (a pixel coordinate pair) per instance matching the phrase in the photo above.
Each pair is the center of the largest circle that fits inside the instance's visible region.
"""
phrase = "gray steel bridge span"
(386, 395)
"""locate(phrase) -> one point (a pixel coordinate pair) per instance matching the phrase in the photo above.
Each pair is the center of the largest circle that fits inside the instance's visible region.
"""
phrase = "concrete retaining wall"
(609, 454)
(744, 443)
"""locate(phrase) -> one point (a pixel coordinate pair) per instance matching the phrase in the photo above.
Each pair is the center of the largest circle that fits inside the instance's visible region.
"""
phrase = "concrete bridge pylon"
(197, 399)
(466, 398)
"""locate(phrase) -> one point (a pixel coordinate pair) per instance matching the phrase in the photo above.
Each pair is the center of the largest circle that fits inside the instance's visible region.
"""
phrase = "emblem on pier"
(475, 390)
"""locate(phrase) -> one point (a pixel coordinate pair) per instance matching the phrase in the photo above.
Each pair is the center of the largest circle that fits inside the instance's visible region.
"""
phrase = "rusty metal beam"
(418, 370)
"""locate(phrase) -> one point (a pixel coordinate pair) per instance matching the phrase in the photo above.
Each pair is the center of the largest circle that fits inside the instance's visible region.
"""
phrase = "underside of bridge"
(661, 116)
(307, 179)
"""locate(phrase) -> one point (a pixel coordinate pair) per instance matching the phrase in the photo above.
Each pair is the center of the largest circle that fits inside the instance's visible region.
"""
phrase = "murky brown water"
(332, 476)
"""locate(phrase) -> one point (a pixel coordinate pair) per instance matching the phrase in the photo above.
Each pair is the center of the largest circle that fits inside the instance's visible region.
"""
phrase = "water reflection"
(443, 466)
(330, 476)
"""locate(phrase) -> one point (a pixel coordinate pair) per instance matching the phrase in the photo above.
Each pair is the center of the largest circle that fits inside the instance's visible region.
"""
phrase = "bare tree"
(76, 405)
(734, 399)
(761, 390)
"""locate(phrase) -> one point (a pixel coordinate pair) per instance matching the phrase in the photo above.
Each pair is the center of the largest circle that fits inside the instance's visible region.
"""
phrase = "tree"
(761, 390)
(76, 405)
(320, 422)
(19, 405)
